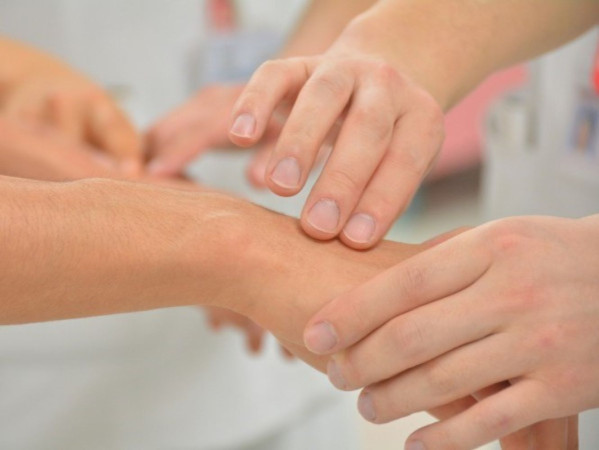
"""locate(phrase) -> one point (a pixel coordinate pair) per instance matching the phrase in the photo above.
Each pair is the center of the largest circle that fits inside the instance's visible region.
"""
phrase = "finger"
(410, 340)
(109, 130)
(179, 151)
(510, 410)
(25, 109)
(451, 409)
(433, 242)
(65, 113)
(417, 139)
(271, 84)
(254, 336)
(433, 274)
(256, 169)
(315, 112)
(519, 440)
(573, 442)
(184, 117)
(443, 380)
(364, 138)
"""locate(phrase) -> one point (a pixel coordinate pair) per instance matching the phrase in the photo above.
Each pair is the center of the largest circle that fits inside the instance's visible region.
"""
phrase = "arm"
(450, 46)
(97, 247)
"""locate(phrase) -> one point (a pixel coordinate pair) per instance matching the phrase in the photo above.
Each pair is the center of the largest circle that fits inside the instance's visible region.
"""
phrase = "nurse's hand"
(199, 125)
(515, 301)
(43, 90)
(389, 131)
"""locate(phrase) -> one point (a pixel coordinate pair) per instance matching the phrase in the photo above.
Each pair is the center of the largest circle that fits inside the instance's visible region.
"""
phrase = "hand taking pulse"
(391, 131)
(515, 302)
(42, 90)
(199, 125)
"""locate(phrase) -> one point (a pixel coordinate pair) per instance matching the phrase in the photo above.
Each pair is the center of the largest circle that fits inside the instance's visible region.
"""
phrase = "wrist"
(394, 31)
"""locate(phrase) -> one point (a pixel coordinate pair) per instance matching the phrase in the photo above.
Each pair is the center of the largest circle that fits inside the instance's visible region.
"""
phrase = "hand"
(391, 130)
(43, 153)
(200, 125)
(521, 293)
(43, 90)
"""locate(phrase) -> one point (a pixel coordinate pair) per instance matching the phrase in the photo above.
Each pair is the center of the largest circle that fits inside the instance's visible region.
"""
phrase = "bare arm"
(97, 247)
(450, 46)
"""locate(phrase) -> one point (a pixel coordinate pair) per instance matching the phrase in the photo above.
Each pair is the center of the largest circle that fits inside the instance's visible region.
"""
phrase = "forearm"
(450, 46)
(101, 247)
(321, 24)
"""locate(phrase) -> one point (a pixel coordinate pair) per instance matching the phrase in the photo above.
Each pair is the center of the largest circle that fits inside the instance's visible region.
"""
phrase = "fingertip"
(243, 129)
(360, 232)
(256, 175)
(321, 338)
(366, 406)
(321, 221)
(414, 444)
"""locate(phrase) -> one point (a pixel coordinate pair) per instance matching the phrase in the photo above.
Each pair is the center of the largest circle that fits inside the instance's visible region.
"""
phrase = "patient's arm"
(96, 247)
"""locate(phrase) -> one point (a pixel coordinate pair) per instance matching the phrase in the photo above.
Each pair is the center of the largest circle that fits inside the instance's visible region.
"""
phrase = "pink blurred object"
(221, 16)
(464, 124)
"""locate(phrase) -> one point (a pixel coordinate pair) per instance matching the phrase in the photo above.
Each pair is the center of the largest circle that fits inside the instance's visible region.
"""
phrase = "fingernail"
(335, 375)
(360, 228)
(287, 173)
(244, 126)
(366, 406)
(320, 338)
(415, 445)
(324, 216)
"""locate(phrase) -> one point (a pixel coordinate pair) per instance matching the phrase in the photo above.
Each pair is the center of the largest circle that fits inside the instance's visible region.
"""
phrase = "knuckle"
(441, 380)
(343, 180)
(330, 83)
(373, 121)
(412, 280)
(507, 235)
(493, 421)
(408, 338)
(274, 68)
(385, 74)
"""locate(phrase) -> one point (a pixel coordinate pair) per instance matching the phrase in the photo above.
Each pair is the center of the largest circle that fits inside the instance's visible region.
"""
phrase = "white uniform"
(543, 151)
(159, 379)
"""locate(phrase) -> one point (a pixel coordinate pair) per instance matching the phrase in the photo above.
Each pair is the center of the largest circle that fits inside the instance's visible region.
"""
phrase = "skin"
(522, 291)
(38, 88)
(48, 164)
(387, 83)
(100, 246)
(202, 123)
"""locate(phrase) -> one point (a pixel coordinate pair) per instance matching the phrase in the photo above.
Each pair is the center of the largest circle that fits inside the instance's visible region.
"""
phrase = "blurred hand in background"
(39, 89)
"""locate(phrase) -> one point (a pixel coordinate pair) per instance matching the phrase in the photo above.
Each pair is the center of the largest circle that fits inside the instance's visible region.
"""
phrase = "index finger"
(436, 273)
(271, 84)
